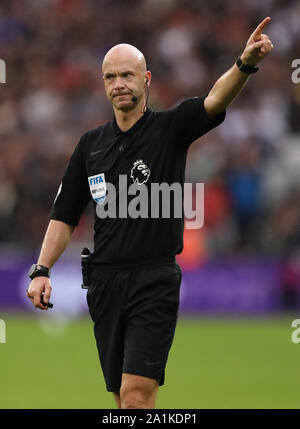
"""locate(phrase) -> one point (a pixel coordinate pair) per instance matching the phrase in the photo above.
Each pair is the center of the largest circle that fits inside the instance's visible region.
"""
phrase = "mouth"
(120, 95)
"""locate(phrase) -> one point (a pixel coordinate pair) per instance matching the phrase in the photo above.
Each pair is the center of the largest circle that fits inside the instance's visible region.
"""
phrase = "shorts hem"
(142, 373)
(110, 389)
(161, 379)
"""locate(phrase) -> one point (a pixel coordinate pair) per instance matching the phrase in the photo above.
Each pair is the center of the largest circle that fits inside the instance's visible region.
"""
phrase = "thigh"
(151, 317)
(105, 300)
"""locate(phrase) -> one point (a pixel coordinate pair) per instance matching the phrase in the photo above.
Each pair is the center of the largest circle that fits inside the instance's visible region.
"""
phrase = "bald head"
(124, 52)
(125, 75)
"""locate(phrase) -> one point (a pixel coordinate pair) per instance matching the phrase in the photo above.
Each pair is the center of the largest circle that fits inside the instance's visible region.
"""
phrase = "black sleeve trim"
(192, 120)
(63, 218)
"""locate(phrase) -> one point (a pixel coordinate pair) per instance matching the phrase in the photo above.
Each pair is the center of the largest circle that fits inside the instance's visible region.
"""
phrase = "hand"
(258, 45)
(34, 292)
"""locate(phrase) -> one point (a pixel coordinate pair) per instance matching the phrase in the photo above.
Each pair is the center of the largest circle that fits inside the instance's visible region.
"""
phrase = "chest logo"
(140, 172)
(98, 187)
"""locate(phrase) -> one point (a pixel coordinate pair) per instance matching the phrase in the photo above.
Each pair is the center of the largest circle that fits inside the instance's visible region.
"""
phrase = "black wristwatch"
(37, 270)
(246, 68)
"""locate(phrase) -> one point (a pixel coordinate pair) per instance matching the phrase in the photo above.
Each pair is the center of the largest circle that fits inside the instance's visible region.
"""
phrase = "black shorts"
(135, 314)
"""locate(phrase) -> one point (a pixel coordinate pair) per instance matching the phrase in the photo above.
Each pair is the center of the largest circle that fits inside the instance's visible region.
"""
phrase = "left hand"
(258, 45)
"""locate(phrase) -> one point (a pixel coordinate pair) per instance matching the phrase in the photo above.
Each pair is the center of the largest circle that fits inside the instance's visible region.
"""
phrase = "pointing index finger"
(257, 32)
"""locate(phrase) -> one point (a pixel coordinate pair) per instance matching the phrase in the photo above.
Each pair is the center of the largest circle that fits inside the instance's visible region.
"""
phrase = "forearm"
(56, 239)
(224, 91)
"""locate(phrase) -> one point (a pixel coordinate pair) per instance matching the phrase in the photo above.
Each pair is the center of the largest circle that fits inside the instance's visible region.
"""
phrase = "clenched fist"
(38, 286)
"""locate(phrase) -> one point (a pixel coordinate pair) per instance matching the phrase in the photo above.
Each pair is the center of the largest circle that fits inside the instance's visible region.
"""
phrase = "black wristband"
(246, 68)
(37, 270)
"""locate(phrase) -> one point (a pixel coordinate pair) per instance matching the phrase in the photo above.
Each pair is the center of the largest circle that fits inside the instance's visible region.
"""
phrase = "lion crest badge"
(140, 172)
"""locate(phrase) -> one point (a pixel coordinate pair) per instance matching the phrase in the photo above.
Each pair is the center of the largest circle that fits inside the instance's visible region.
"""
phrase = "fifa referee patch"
(98, 187)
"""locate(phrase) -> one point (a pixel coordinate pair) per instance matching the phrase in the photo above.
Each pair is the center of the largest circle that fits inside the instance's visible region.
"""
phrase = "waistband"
(149, 263)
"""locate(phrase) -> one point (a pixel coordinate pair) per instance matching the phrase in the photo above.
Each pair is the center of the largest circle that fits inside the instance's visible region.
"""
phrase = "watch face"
(31, 269)
(34, 268)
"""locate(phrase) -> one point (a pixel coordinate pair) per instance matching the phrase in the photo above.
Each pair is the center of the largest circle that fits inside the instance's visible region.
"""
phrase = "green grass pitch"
(213, 363)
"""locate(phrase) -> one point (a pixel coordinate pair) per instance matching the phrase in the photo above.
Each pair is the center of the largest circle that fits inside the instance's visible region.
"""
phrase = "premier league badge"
(140, 172)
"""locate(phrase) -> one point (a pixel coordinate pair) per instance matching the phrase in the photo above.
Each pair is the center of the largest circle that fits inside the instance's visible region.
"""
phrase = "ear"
(148, 78)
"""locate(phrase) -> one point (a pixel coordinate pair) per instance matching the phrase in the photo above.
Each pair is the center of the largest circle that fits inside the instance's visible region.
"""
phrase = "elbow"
(213, 106)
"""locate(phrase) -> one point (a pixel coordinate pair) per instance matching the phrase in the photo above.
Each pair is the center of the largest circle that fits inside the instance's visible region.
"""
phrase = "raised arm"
(229, 85)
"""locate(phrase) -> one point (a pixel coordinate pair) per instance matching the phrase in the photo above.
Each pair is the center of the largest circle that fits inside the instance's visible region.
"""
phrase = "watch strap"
(245, 68)
(38, 270)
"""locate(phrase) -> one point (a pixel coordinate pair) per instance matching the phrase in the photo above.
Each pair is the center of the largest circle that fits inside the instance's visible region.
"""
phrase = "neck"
(127, 119)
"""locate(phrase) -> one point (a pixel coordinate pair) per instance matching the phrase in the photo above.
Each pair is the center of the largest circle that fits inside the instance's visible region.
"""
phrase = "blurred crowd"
(54, 93)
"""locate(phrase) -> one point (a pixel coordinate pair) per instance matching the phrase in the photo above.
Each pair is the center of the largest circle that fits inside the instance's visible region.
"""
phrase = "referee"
(133, 294)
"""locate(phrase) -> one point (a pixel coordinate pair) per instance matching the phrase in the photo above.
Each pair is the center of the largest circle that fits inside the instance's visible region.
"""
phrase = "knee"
(133, 399)
(138, 392)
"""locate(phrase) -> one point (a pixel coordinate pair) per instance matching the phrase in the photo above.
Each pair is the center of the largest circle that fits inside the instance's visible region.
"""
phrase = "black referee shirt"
(153, 150)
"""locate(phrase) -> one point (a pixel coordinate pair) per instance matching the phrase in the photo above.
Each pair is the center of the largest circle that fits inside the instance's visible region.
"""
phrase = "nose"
(119, 84)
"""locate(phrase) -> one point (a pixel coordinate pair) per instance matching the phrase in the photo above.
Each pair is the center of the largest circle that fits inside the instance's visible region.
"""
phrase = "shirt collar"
(135, 127)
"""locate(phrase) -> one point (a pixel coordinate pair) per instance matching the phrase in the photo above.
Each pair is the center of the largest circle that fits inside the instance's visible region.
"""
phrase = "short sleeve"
(73, 194)
(192, 120)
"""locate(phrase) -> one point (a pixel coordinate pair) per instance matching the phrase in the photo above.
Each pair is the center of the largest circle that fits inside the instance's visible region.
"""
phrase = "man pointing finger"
(133, 296)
